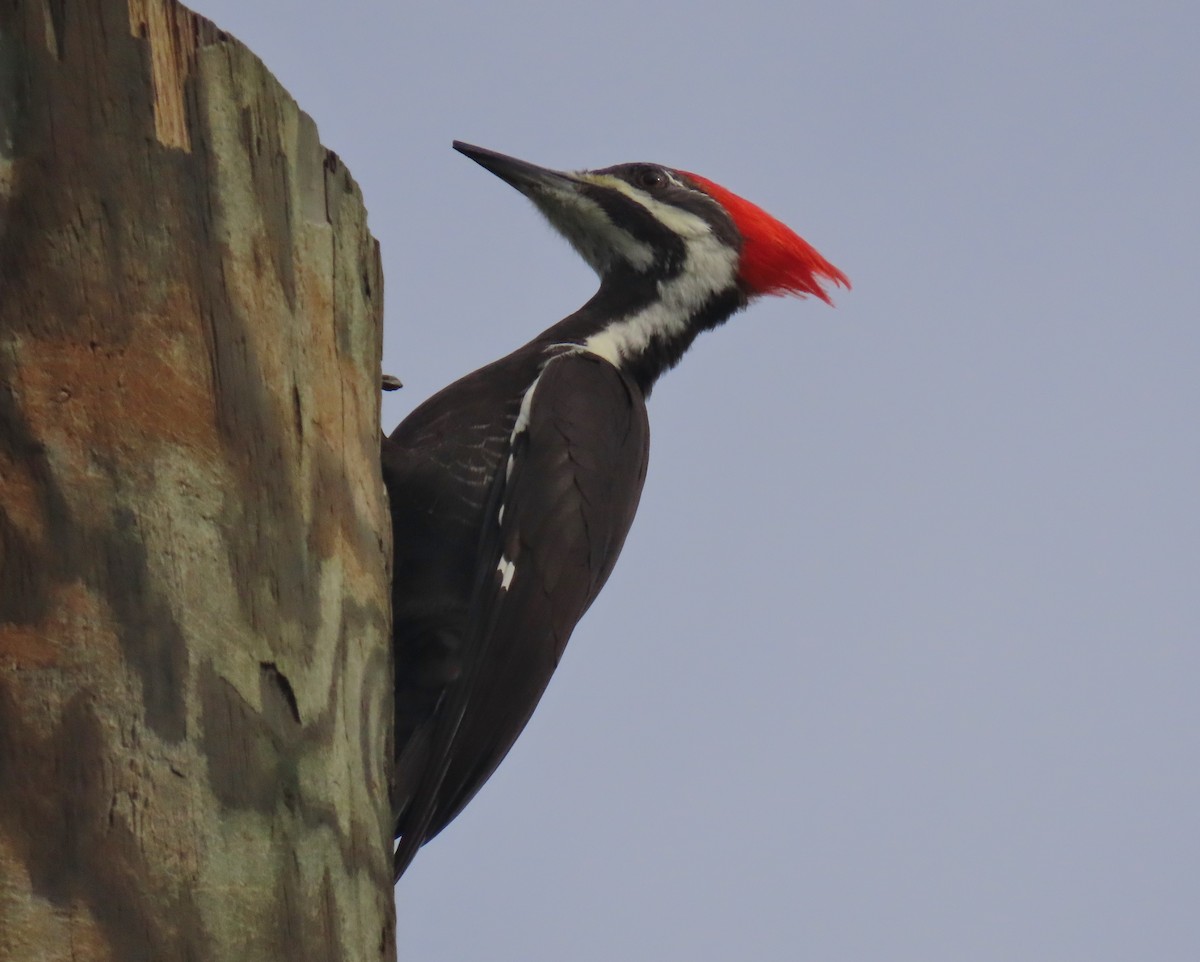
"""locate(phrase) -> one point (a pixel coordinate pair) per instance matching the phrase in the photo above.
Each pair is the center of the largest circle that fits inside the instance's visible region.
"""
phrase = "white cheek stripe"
(682, 222)
(589, 229)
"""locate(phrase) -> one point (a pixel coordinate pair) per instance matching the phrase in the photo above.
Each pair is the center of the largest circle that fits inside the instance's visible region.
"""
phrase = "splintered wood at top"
(174, 34)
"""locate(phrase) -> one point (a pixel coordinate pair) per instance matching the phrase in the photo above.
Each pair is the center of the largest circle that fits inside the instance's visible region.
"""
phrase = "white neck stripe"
(709, 267)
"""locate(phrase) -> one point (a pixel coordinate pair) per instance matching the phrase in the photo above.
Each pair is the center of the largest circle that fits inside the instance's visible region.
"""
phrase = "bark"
(195, 707)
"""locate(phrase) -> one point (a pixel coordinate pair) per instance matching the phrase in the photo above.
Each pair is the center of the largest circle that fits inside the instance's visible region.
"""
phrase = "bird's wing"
(556, 521)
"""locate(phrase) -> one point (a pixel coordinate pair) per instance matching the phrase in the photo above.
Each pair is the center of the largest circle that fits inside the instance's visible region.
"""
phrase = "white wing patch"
(523, 414)
(507, 569)
(521, 425)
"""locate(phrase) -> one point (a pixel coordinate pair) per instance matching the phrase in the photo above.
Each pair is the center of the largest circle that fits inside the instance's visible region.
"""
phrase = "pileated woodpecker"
(512, 489)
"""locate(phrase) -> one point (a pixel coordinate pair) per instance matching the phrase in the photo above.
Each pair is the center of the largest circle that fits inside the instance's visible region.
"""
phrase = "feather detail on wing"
(554, 527)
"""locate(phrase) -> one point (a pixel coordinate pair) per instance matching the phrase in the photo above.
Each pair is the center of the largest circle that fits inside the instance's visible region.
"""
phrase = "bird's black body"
(512, 490)
(459, 649)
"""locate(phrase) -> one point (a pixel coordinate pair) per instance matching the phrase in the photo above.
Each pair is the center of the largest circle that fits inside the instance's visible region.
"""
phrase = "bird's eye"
(650, 178)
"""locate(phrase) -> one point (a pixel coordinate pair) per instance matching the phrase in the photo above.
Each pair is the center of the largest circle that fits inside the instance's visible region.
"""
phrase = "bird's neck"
(644, 324)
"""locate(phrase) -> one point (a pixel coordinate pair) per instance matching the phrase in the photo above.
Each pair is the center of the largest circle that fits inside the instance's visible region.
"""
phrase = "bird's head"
(663, 224)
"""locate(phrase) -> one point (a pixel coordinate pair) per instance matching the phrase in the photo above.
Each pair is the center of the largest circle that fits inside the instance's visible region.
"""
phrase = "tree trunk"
(195, 708)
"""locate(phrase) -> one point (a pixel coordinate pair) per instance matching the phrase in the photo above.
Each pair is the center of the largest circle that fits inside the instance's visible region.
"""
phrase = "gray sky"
(902, 657)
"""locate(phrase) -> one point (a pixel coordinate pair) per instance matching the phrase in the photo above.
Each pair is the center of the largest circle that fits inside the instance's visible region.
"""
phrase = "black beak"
(520, 174)
(568, 201)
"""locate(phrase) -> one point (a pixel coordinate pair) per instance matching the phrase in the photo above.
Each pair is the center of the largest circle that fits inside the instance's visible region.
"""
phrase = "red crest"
(775, 259)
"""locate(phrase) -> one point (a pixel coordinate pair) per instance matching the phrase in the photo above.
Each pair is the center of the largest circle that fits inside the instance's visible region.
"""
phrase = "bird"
(512, 490)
